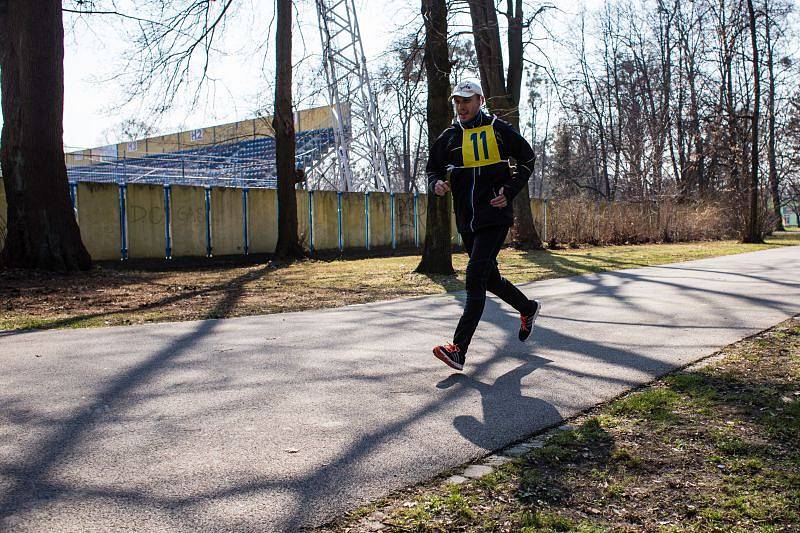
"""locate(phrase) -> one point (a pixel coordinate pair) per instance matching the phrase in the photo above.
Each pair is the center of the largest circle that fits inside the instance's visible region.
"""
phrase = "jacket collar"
(481, 119)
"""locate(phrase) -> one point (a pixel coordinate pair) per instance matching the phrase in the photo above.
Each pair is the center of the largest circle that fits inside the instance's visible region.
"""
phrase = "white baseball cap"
(467, 88)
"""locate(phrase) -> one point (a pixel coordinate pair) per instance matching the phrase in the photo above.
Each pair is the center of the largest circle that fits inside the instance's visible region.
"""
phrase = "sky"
(95, 48)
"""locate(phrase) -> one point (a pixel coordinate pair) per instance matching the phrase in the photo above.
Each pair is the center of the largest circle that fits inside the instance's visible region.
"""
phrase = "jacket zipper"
(472, 202)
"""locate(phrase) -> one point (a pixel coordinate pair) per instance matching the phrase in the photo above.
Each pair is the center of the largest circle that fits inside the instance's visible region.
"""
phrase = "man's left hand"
(499, 201)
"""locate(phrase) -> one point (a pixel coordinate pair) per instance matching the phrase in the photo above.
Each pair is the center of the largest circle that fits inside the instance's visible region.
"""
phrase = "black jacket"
(479, 169)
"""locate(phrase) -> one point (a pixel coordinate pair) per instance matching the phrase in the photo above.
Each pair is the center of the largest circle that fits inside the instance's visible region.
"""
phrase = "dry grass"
(117, 294)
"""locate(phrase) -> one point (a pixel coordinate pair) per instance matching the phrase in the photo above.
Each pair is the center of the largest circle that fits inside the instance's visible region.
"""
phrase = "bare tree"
(774, 187)
(503, 98)
(753, 226)
(42, 231)
(437, 251)
(288, 246)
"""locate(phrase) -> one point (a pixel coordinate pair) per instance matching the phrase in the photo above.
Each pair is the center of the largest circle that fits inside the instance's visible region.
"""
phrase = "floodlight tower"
(354, 104)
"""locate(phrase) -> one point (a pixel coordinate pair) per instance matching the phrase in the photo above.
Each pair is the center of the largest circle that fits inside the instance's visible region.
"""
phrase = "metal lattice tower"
(354, 105)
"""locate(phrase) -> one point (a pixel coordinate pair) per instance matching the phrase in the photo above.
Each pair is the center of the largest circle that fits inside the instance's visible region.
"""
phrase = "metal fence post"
(208, 222)
(168, 221)
(416, 220)
(245, 222)
(341, 235)
(311, 221)
(123, 221)
(366, 221)
(391, 215)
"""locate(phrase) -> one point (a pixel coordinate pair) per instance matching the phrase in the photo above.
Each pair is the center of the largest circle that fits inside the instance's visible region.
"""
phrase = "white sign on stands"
(78, 156)
(197, 135)
(133, 146)
(105, 153)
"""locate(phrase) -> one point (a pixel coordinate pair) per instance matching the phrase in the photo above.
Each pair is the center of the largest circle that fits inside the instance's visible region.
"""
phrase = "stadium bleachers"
(249, 163)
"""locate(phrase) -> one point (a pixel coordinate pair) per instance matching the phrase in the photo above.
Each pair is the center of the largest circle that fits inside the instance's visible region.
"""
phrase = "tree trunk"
(288, 247)
(773, 166)
(437, 251)
(753, 226)
(504, 100)
(42, 230)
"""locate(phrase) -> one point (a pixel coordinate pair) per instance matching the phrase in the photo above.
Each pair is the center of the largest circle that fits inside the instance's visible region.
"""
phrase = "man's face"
(467, 108)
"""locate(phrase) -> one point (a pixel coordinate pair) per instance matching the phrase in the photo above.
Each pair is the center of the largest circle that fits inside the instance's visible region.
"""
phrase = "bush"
(574, 221)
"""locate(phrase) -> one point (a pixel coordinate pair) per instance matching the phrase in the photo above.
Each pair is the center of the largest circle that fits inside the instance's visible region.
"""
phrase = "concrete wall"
(146, 221)
(353, 220)
(326, 220)
(422, 217)
(262, 220)
(98, 218)
(188, 214)
(227, 236)
(380, 221)
(404, 219)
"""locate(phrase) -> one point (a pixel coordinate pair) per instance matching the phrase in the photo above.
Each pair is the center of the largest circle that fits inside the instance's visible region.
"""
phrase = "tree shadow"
(232, 291)
(29, 476)
(507, 413)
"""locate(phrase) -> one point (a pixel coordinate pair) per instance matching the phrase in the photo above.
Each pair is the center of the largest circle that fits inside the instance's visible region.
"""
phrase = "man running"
(475, 151)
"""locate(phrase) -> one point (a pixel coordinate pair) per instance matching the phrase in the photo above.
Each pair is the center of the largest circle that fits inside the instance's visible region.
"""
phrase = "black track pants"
(482, 275)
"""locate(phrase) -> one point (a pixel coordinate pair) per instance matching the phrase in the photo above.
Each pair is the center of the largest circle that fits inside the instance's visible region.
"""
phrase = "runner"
(475, 152)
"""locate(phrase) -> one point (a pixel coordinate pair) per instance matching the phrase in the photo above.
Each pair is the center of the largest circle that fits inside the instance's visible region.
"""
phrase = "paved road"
(279, 422)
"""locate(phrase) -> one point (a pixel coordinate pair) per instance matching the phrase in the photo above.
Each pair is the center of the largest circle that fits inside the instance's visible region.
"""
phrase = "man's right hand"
(441, 188)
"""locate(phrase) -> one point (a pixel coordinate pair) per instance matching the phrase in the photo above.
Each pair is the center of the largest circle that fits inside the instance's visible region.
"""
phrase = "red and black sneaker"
(526, 321)
(451, 355)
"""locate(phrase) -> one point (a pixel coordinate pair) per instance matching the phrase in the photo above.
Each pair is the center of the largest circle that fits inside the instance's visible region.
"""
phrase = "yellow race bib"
(479, 147)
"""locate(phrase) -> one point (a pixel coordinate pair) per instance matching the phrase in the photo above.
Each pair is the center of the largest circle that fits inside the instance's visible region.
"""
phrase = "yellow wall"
(380, 222)
(226, 221)
(422, 213)
(314, 119)
(404, 219)
(262, 220)
(353, 220)
(263, 127)
(229, 133)
(326, 220)
(98, 218)
(188, 216)
(145, 211)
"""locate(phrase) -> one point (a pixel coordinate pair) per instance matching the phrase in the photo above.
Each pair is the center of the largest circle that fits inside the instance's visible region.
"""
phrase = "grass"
(136, 293)
(715, 447)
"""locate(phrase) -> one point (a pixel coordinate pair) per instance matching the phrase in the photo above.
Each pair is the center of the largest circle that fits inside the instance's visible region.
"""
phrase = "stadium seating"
(249, 163)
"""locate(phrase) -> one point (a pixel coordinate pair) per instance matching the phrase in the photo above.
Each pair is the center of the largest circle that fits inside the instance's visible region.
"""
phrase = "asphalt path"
(280, 422)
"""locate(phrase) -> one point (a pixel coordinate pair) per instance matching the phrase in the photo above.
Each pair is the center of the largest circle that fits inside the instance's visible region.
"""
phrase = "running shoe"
(526, 321)
(451, 355)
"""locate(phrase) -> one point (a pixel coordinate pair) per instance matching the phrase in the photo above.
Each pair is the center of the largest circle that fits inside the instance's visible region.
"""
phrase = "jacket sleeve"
(436, 168)
(521, 151)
